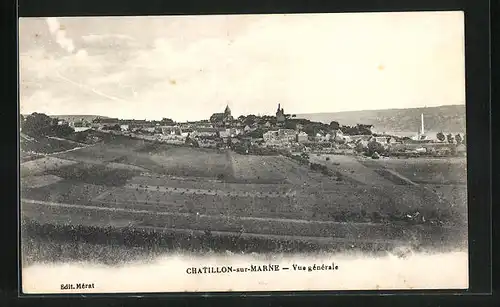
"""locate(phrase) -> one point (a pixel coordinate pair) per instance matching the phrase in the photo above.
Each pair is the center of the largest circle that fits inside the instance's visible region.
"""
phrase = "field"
(430, 170)
(44, 145)
(43, 165)
(123, 182)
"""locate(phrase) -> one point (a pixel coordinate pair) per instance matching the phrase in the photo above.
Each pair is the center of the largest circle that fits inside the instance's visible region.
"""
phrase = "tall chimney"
(422, 131)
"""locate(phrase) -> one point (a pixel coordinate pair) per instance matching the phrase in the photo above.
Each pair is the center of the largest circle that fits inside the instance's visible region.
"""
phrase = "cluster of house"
(222, 129)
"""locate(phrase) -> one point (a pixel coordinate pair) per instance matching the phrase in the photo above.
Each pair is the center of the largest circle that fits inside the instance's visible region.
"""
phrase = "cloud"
(81, 54)
(105, 37)
(309, 64)
(53, 24)
(60, 34)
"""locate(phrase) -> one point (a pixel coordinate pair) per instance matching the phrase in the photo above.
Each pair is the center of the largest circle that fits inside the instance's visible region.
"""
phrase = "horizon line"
(194, 120)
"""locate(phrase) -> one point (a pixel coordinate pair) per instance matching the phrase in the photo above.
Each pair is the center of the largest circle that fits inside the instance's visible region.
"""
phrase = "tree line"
(450, 138)
(39, 124)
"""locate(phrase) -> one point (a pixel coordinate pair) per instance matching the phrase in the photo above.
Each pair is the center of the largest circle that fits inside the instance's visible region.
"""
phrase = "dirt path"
(66, 140)
(60, 152)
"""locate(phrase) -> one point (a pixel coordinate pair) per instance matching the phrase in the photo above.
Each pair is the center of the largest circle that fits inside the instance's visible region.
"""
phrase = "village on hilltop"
(266, 134)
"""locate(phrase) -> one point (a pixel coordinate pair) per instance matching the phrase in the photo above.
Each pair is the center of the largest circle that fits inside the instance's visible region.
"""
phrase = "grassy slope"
(45, 145)
(320, 199)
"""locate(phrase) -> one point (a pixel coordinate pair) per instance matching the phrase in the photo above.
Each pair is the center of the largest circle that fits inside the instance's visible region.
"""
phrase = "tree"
(357, 130)
(115, 127)
(375, 147)
(464, 140)
(458, 138)
(334, 125)
(290, 125)
(440, 136)
(37, 124)
(360, 147)
(167, 122)
(62, 131)
(250, 120)
(364, 129)
(449, 138)
(257, 133)
(314, 128)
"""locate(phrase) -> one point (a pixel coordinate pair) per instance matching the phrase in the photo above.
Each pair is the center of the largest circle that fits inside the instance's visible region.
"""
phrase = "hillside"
(31, 147)
(443, 118)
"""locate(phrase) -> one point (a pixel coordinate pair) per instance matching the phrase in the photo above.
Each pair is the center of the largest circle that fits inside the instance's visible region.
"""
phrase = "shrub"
(360, 147)
(327, 172)
(375, 147)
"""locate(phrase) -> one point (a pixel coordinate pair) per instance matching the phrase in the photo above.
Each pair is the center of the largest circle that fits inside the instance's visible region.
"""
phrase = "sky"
(188, 67)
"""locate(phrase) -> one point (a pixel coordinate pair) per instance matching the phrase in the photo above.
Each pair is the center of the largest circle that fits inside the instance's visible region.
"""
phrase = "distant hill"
(72, 118)
(443, 118)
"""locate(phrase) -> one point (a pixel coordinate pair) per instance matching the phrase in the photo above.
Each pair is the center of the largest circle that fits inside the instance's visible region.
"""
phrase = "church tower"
(227, 111)
(280, 114)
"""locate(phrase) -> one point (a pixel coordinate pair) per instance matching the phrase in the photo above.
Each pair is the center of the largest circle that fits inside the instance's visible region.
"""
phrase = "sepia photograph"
(243, 153)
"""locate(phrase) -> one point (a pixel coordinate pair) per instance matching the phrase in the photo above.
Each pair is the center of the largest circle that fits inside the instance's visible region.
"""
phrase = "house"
(360, 137)
(338, 136)
(302, 137)
(383, 139)
(461, 149)
(324, 138)
(287, 135)
(420, 150)
(321, 137)
(207, 143)
(80, 129)
(165, 130)
(362, 142)
(270, 136)
(106, 121)
(220, 119)
(124, 127)
(185, 132)
(225, 133)
(143, 129)
(413, 141)
(204, 132)
(174, 140)
(235, 132)
(78, 124)
(139, 123)
(392, 140)
(280, 137)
